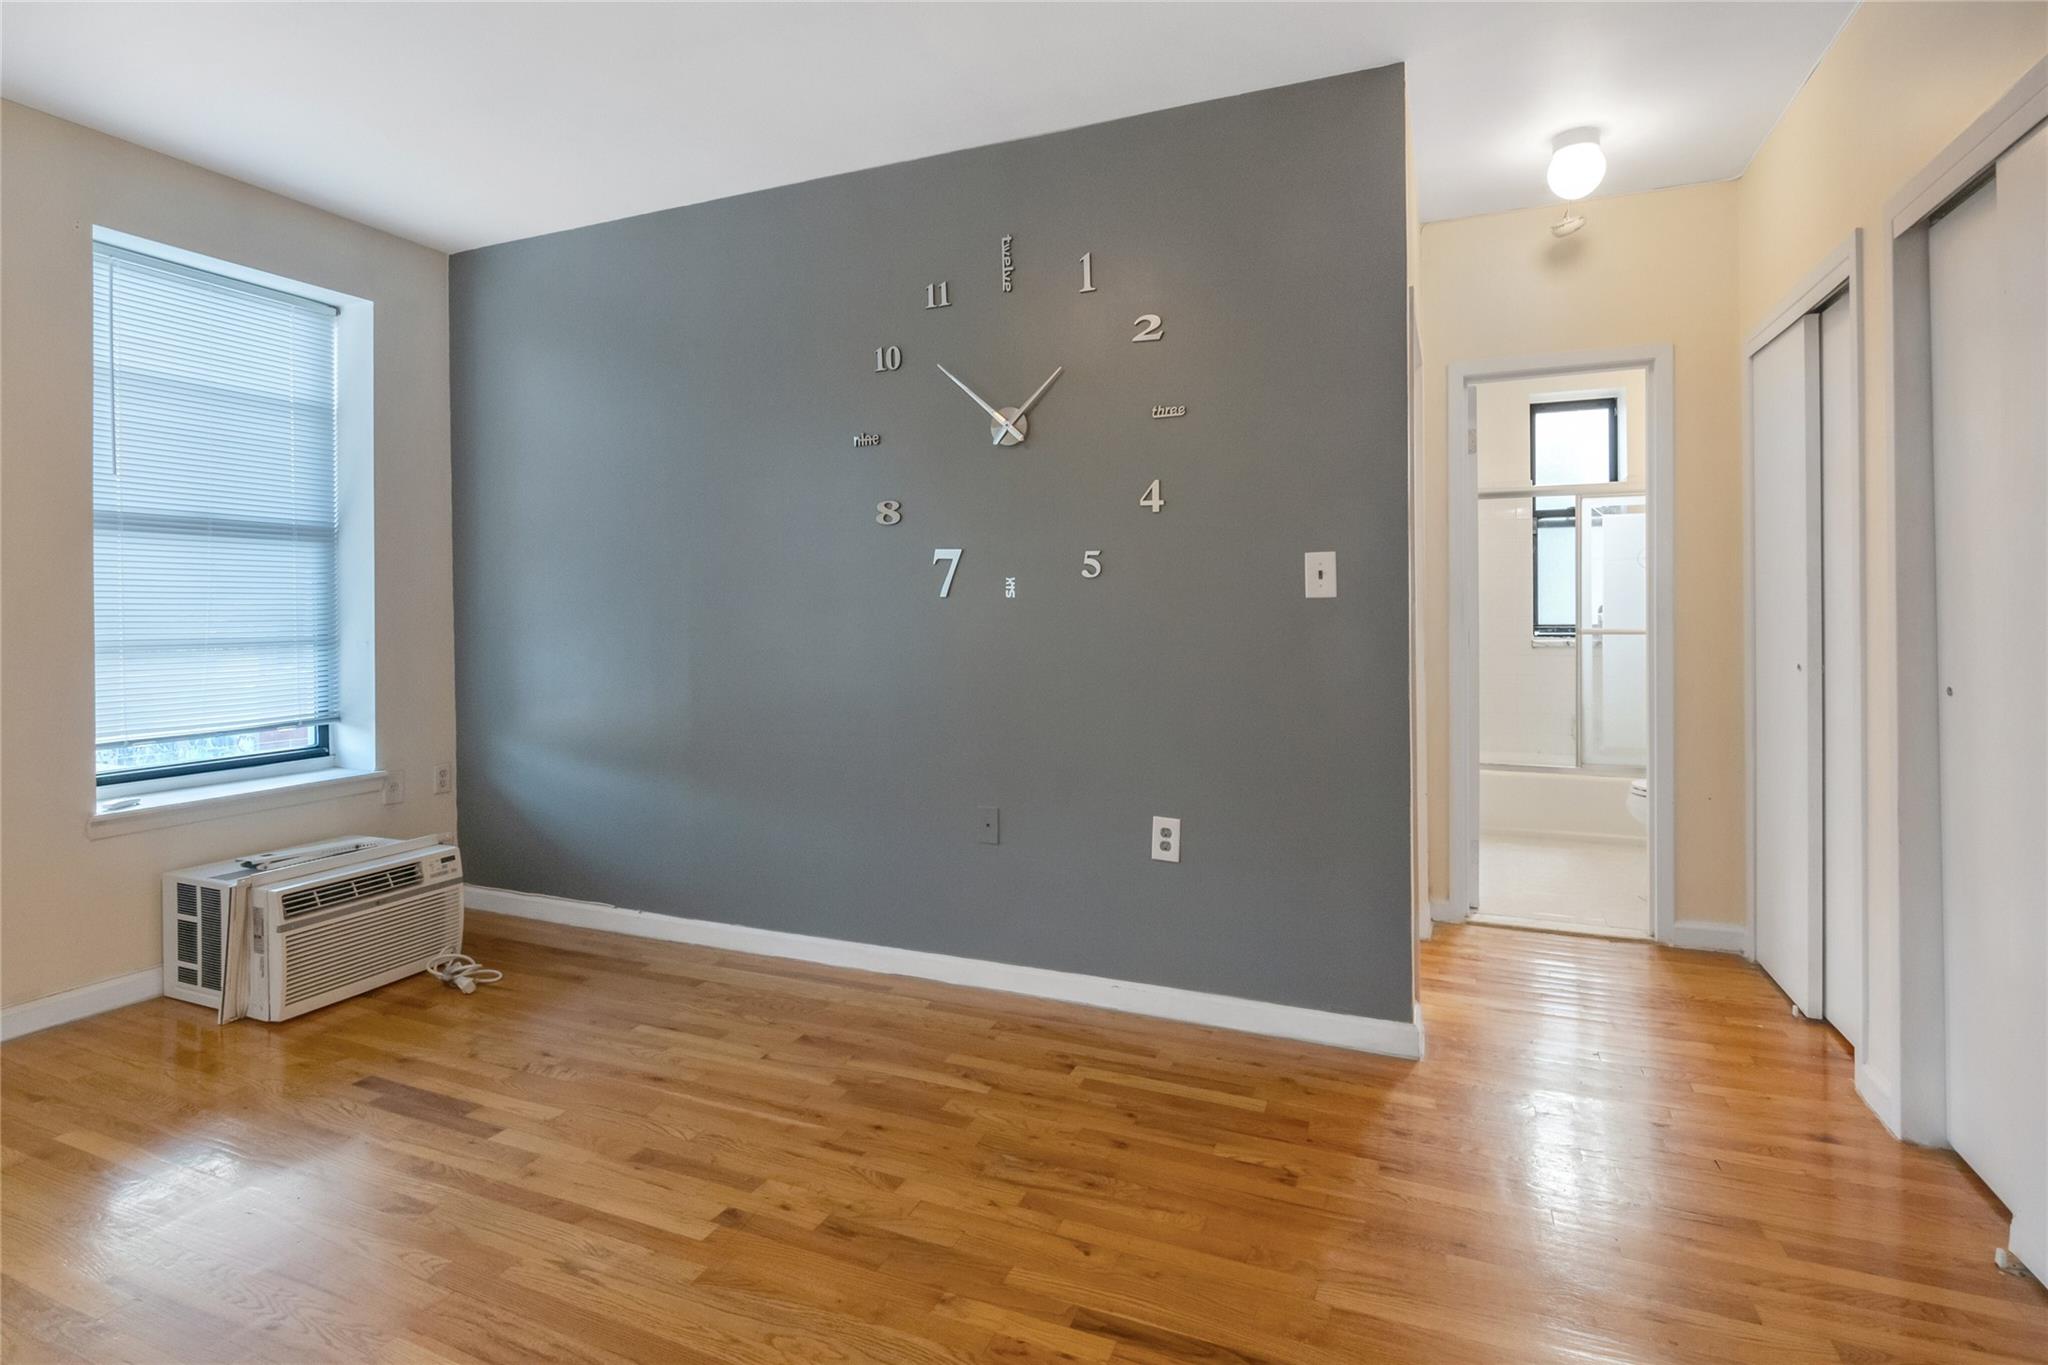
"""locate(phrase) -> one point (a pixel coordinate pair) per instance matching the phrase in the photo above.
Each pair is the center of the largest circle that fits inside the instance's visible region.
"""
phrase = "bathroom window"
(1577, 442)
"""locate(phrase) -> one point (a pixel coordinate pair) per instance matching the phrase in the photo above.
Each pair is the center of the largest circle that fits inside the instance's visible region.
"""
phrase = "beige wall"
(1700, 267)
(1901, 82)
(1646, 269)
(74, 911)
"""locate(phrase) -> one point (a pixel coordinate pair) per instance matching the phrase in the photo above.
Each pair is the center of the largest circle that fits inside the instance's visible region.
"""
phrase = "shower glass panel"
(1527, 702)
(1614, 677)
(1614, 670)
(1613, 587)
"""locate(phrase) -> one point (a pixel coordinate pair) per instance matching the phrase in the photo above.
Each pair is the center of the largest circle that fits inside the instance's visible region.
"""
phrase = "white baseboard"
(35, 1015)
(1712, 937)
(1390, 1037)
(1440, 911)
(1876, 1092)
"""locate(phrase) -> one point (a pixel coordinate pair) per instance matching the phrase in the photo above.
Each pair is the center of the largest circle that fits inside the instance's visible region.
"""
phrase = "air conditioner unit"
(277, 934)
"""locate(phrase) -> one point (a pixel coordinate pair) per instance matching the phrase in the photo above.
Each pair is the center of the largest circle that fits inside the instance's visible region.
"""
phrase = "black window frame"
(1551, 518)
(321, 747)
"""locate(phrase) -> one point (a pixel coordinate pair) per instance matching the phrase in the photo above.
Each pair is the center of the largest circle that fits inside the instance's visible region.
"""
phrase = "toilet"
(1639, 801)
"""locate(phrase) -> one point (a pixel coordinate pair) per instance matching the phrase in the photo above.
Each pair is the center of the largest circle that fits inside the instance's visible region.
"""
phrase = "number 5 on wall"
(952, 558)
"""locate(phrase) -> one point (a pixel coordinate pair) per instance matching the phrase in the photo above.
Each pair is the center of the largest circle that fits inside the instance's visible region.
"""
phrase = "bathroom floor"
(1585, 886)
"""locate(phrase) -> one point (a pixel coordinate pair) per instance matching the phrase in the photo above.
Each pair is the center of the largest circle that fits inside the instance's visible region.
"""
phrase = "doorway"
(1560, 650)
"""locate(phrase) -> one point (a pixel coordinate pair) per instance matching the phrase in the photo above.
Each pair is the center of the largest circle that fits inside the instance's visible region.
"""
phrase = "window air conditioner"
(277, 934)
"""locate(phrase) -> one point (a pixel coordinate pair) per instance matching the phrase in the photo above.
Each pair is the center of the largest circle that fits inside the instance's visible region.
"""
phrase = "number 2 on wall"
(1149, 327)
(952, 558)
(1152, 498)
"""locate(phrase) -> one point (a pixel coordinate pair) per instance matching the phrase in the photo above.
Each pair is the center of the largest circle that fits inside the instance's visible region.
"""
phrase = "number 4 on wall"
(1152, 498)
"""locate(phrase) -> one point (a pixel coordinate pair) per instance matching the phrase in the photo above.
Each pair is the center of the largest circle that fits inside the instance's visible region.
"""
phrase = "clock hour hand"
(1025, 407)
(982, 403)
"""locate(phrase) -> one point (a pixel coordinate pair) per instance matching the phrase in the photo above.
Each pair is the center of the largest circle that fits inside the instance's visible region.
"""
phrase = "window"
(1569, 443)
(215, 538)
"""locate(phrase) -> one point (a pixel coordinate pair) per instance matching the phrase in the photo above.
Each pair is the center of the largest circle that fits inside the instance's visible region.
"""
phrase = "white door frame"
(1656, 363)
(1905, 1013)
(1841, 270)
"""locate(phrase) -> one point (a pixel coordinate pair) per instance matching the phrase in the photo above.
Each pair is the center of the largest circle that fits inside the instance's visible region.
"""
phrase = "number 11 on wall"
(952, 558)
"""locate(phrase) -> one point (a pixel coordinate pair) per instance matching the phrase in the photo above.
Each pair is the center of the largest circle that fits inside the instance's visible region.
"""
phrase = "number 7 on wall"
(952, 558)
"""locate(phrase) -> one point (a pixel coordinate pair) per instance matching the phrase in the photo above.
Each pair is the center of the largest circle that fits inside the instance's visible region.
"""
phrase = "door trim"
(1905, 1012)
(1840, 272)
(1656, 363)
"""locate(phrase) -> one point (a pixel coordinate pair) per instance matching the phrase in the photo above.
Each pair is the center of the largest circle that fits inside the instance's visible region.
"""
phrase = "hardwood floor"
(635, 1151)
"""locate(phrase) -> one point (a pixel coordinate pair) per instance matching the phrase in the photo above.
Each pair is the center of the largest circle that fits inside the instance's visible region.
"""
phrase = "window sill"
(217, 800)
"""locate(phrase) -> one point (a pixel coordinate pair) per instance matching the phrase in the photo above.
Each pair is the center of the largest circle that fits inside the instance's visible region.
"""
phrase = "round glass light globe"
(1576, 170)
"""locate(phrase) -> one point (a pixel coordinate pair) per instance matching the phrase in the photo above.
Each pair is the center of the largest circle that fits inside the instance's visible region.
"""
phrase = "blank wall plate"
(1166, 838)
(1319, 573)
(991, 825)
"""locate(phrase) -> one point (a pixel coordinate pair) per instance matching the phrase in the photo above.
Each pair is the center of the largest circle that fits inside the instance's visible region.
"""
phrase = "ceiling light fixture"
(1577, 165)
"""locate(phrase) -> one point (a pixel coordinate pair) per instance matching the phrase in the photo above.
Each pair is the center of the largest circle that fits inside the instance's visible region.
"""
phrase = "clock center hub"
(1011, 435)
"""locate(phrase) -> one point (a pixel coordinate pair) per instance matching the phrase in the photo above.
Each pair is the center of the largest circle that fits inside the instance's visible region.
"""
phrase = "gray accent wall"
(696, 677)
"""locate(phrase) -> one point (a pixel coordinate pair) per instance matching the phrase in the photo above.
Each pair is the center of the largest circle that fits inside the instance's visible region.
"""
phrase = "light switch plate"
(1319, 573)
(991, 825)
(394, 786)
(1166, 838)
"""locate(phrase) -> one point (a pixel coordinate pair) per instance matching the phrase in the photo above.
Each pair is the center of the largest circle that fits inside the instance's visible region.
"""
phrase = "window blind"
(213, 501)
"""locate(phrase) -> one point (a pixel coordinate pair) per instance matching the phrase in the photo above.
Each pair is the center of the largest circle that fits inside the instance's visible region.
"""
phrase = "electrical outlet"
(444, 779)
(394, 786)
(991, 825)
(1166, 838)
(1319, 573)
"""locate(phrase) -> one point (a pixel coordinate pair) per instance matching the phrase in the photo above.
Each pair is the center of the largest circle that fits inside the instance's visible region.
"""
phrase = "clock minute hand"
(980, 402)
(1058, 370)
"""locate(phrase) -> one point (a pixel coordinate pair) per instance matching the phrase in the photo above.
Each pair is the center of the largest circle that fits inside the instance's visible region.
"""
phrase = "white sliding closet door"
(1841, 676)
(1785, 611)
(1988, 301)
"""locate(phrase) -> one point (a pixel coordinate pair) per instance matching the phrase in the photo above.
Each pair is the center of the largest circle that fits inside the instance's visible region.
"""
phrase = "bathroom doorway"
(1559, 650)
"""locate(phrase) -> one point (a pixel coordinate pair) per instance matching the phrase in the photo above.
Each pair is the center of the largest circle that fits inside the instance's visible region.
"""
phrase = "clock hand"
(982, 404)
(1058, 370)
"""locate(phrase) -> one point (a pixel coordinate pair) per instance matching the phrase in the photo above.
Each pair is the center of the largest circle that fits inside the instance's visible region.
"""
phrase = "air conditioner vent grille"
(343, 890)
(330, 955)
(209, 937)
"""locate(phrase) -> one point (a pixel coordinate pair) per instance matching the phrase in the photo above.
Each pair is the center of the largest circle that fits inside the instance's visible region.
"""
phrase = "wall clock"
(1008, 425)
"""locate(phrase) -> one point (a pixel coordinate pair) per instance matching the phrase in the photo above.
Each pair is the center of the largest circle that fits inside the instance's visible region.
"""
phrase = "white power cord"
(463, 972)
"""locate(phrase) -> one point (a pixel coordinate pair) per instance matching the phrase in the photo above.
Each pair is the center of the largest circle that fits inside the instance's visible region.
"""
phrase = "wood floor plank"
(632, 1151)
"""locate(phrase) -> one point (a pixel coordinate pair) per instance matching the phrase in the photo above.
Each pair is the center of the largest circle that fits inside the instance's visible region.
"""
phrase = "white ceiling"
(459, 125)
